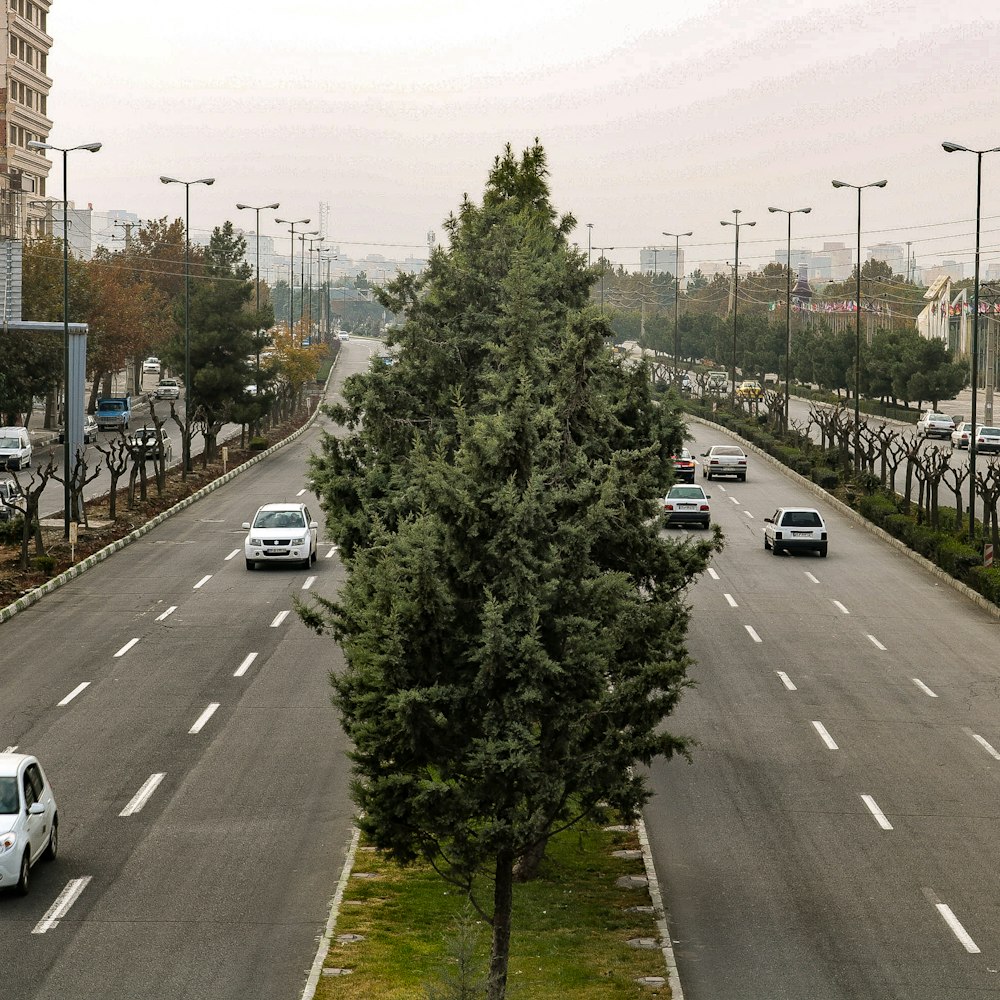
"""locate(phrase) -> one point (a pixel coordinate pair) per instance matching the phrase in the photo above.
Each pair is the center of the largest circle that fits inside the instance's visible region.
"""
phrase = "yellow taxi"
(750, 389)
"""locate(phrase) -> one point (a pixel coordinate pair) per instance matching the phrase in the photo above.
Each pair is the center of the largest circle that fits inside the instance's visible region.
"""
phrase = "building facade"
(662, 260)
(24, 96)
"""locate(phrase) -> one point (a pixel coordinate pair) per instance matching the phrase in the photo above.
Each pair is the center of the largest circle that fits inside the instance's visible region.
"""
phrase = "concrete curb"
(662, 925)
(34, 596)
(849, 512)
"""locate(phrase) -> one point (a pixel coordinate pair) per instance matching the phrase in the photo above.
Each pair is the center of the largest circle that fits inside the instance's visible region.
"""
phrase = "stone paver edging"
(849, 512)
(34, 596)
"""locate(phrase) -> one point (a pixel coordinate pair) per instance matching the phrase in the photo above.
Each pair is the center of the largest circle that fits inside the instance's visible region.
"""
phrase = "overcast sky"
(655, 115)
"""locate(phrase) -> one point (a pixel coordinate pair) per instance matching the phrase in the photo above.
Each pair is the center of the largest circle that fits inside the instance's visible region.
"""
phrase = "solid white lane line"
(957, 929)
(128, 645)
(923, 687)
(712, 573)
(729, 598)
(201, 583)
(786, 680)
(809, 576)
(840, 607)
(329, 554)
(279, 618)
(985, 745)
(74, 693)
(61, 906)
(203, 718)
(167, 613)
(142, 796)
(877, 644)
(753, 633)
(310, 580)
(825, 736)
(876, 812)
(245, 665)
(300, 493)
(233, 554)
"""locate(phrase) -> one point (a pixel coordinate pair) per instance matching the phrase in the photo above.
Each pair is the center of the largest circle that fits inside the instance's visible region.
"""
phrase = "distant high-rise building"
(890, 253)
(950, 269)
(662, 260)
(24, 96)
(841, 261)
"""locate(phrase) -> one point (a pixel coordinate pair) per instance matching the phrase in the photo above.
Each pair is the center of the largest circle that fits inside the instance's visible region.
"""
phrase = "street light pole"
(736, 296)
(319, 279)
(788, 304)
(291, 274)
(302, 280)
(259, 337)
(68, 437)
(603, 263)
(857, 317)
(590, 228)
(188, 388)
(677, 294)
(954, 147)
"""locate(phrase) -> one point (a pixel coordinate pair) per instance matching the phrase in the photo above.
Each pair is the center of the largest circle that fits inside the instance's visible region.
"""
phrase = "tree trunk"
(527, 867)
(503, 907)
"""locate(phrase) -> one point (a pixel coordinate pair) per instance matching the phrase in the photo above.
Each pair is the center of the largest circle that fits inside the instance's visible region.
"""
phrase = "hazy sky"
(655, 115)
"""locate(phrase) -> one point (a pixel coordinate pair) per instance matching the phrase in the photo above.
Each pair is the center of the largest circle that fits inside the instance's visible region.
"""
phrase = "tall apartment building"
(890, 253)
(24, 95)
(662, 260)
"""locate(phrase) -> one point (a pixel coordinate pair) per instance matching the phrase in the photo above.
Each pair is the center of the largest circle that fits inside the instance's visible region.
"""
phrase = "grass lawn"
(569, 938)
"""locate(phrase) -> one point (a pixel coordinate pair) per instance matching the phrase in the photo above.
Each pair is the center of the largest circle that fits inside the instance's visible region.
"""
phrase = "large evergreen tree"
(513, 621)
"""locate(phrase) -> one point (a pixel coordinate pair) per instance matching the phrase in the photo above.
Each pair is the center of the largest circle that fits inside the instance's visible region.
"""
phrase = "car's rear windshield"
(802, 519)
(989, 431)
(724, 449)
(686, 493)
(8, 795)
(939, 416)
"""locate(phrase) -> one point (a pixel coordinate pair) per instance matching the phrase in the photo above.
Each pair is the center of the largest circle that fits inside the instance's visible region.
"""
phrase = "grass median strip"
(399, 930)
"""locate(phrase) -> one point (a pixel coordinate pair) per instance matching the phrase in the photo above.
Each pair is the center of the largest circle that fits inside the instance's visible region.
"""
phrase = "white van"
(15, 447)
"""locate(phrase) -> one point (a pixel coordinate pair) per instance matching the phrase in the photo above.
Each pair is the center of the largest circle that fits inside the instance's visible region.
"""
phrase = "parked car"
(684, 464)
(749, 389)
(794, 529)
(724, 460)
(29, 819)
(11, 500)
(687, 505)
(167, 388)
(933, 424)
(154, 443)
(90, 430)
(960, 435)
(151, 366)
(281, 532)
(988, 439)
(15, 448)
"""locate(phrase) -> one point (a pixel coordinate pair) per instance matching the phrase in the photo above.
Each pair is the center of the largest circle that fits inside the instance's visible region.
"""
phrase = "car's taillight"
(742, 461)
(668, 506)
(704, 506)
(822, 536)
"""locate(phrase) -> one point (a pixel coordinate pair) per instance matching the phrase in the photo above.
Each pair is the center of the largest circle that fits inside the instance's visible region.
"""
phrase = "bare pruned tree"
(988, 489)
(77, 481)
(32, 527)
(116, 456)
(955, 478)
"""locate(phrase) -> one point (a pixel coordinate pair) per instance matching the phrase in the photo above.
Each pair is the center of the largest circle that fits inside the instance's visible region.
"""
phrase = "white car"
(987, 439)
(687, 504)
(343, 335)
(90, 430)
(167, 388)
(151, 366)
(146, 441)
(29, 819)
(794, 529)
(933, 424)
(960, 435)
(724, 460)
(281, 532)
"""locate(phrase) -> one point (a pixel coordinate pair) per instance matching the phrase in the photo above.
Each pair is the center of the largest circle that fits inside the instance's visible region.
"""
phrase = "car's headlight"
(255, 541)
(7, 841)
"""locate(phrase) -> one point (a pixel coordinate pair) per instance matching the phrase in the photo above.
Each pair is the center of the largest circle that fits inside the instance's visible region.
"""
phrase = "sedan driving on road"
(151, 366)
(687, 505)
(29, 820)
(960, 435)
(795, 529)
(281, 532)
(724, 460)
(988, 439)
(684, 466)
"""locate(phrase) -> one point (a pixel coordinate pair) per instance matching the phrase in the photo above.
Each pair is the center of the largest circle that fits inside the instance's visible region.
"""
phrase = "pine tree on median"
(512, 621)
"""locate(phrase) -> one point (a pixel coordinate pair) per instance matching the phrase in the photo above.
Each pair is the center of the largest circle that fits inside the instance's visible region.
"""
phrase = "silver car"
(29, 819)
(281, 532)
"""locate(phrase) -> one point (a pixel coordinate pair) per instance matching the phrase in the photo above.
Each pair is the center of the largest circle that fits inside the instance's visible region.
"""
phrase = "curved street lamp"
(604, 262)
(954, 147)
(677, 293)
(736, 295)
(72, 423)
(260, 335)
(788, 303)
(857, 315)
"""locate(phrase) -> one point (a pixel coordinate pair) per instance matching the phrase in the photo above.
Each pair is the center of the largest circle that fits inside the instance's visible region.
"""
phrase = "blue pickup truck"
(114, 412)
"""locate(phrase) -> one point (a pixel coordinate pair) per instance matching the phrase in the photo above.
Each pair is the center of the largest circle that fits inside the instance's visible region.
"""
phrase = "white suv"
(724, 460)
(29, 820)
(932, 424)
(795, 528)
(281, 532)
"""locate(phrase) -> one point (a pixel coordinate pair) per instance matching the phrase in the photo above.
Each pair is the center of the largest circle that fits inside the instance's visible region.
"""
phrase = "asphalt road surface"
(836, 836)
(182, 713)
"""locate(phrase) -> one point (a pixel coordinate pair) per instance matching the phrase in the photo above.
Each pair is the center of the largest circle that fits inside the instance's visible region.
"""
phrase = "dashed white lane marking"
(233, 554)
(310, 580)
(128, 645)
(166, 614)
(61, 906)
(876, 643)
(923, 687)
(730, 600)
(753, 633)
(203, 718)
(825, 736)
(712, 573)
(279, 618)
(957, 929)
(333, 549)
(77, 690)
(840, 607)
(245, 665)
(748, 514)
(876, 812)
(786, 680)
(142, 796)
(11, 749)
(734, 500)
(991, 750)
(809, 576)
(201, 583)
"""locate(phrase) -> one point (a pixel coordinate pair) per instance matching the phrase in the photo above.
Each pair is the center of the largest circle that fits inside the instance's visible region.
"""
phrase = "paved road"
(219, 885)
(779, 875)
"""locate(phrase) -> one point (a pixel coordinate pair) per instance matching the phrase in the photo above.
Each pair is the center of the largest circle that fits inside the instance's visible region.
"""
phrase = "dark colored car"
(684, 466)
